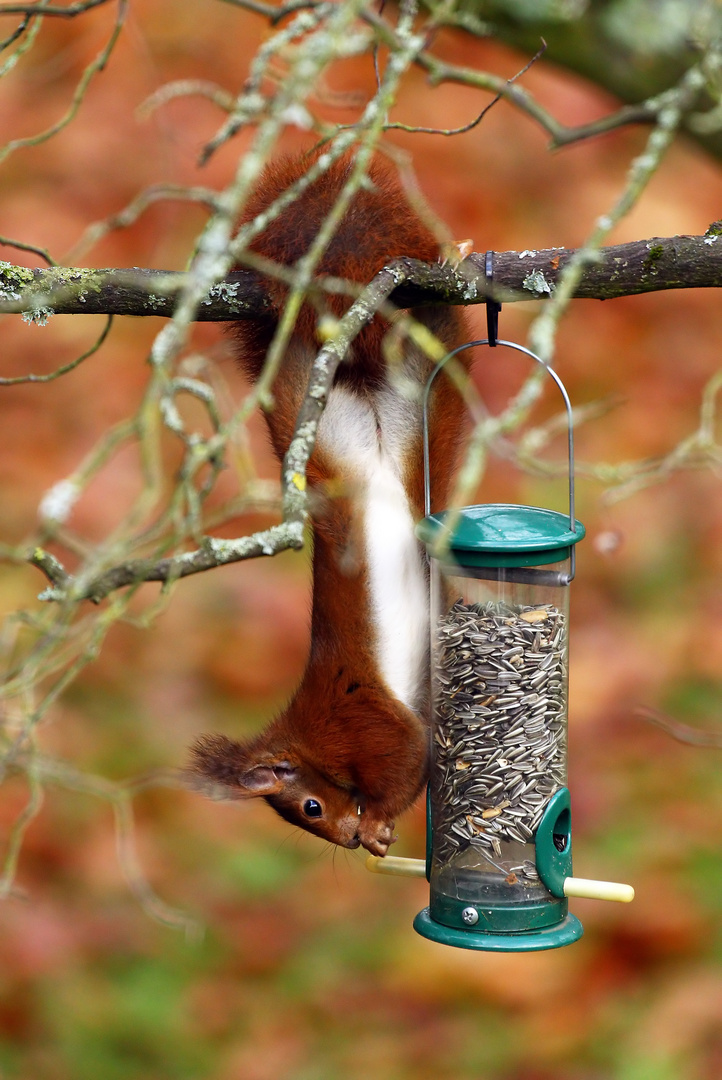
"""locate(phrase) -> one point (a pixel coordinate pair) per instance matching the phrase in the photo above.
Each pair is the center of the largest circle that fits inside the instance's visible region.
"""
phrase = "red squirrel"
(349, 752)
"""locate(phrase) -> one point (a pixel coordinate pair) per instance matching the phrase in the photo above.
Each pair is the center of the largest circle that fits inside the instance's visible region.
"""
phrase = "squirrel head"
(300, 793)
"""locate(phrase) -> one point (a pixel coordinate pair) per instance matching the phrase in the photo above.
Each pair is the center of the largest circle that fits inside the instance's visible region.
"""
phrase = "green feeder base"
(550, 937)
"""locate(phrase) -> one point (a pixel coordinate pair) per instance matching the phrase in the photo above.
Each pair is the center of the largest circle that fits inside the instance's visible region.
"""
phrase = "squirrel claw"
(377, 836)
(456, 251)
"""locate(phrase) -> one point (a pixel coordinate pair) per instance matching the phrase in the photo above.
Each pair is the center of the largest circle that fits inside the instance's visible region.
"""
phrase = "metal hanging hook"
(570, 426)
(493, 307)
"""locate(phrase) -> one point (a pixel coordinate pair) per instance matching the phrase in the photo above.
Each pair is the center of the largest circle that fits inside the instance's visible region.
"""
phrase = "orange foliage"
(311, 968)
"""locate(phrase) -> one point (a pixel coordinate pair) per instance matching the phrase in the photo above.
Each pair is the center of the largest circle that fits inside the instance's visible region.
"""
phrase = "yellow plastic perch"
(396, 865)
(598, 890)
(573, 886)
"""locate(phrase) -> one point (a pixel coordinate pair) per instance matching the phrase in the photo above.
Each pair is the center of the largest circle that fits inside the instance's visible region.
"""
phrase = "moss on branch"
(676, 262)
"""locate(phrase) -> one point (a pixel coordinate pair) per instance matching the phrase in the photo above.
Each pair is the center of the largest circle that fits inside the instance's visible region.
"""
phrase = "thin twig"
(274, 13)
(20, 826)
(92, 69)
(40, 8)
(671, 109)
(683, 733)
(17, 32)
(6, 241)
(65, 368)
(120, 795)
(121, 219)
(473, 123)
(186, 88)
(561, 135)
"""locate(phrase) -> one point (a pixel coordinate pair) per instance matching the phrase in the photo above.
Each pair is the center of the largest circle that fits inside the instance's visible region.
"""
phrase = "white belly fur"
(367, 444)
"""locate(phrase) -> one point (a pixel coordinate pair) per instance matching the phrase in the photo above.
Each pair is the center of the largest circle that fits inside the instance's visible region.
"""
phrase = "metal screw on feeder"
(499, 844)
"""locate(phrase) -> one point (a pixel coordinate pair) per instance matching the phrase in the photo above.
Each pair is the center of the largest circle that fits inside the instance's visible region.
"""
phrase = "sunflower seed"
(500, 725)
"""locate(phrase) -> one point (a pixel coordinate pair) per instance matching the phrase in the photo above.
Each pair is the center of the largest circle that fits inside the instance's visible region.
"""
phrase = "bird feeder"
(499, 842)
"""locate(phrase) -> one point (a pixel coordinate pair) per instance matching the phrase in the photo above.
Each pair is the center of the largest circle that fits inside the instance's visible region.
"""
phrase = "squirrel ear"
(265, 779)
(243, 771)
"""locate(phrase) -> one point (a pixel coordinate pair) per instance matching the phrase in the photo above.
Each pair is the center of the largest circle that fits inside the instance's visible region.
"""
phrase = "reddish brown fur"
(344, 741)
(378, 227)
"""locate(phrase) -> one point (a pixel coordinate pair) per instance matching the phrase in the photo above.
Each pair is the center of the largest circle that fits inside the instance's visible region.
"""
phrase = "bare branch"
(561, 135)
(289, 533)
(187, 88)
(19, 30)
(477, 120)
(120, 796)
(40, 8)
(6, 241)
(92, 69)
(683, 733)
(214, 553)
(643, 266)
(95, 232)
(65, 368)
(71, 291)
(634, 58)
(274, 13)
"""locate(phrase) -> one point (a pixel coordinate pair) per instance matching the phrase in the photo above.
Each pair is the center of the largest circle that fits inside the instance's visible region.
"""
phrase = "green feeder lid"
(500, 534)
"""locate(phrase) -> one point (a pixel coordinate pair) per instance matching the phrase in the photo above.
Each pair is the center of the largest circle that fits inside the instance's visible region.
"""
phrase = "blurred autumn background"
(259, 953)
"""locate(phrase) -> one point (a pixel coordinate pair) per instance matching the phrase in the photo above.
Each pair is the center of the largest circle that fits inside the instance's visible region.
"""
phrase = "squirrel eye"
(312, 808)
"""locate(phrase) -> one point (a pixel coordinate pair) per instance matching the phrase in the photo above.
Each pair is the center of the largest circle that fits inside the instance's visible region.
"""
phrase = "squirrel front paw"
(376, 836)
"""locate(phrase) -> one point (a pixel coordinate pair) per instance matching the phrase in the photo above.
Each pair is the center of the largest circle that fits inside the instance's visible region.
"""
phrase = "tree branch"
(628, 56)
(676, 262)
(215, 552)
(629, 268)
(637, 112)
(68, 12)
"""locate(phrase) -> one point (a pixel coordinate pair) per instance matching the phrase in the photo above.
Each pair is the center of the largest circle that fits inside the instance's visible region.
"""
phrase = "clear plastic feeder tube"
(499, 727)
